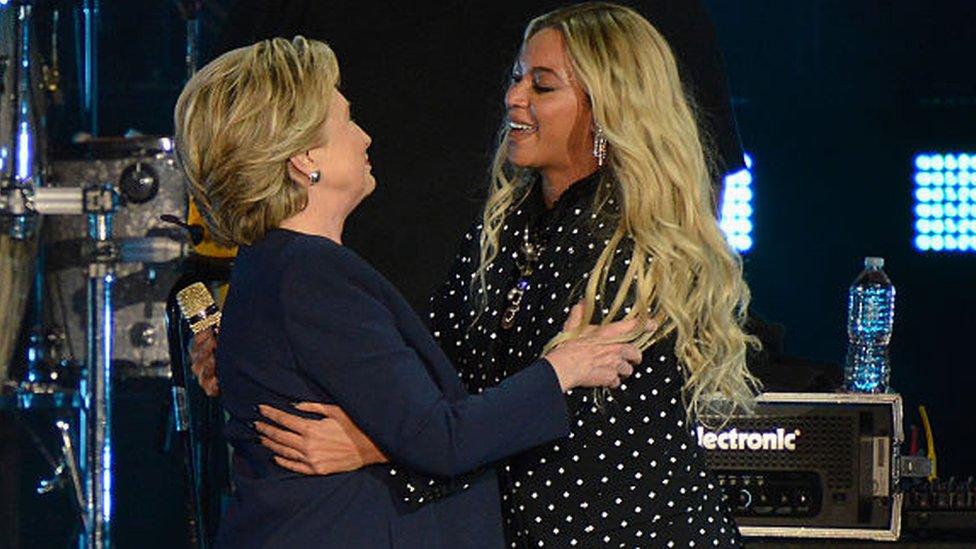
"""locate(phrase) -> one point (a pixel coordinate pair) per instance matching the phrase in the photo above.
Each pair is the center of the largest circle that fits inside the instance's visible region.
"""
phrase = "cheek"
(559, 123)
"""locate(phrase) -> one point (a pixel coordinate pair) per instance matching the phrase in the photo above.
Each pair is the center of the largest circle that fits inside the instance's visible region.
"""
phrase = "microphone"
(195, 231)
(198, 308)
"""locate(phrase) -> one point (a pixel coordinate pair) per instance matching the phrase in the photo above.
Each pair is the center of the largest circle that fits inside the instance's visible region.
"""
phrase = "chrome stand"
(22, 198)
(96, 416)
(86, 21)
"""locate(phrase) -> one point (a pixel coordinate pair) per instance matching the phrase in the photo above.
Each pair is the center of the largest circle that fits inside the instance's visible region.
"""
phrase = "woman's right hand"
(323, 446)
(593, 359)
(203, 364)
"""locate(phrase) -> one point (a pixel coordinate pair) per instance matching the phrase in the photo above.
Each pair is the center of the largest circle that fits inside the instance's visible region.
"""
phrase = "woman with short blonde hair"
(238, 121)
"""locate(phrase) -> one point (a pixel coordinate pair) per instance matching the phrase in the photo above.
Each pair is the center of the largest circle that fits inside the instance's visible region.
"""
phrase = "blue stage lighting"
(23, 152)
(736, 218)
(945, 201)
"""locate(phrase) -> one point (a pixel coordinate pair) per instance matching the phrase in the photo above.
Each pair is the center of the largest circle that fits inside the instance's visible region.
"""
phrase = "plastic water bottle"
(870, 315)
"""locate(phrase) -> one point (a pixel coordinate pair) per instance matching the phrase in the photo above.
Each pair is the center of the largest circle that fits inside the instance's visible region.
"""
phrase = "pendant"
(529, 256)
(514, 303)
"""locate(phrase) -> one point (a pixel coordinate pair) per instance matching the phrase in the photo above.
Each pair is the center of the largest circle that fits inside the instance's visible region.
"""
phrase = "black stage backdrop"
(832, 98)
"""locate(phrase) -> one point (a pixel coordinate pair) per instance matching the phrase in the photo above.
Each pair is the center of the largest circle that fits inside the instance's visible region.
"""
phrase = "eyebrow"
(518, 68)
(544, 69)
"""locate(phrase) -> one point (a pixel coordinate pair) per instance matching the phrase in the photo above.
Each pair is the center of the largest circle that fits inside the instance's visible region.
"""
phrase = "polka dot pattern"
(629, 474)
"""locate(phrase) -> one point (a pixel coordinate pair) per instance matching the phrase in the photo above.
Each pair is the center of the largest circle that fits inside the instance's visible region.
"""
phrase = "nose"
(516, 95)
(366, 137)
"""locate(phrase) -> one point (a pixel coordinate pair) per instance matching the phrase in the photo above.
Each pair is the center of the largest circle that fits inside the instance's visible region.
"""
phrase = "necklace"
(527, 259)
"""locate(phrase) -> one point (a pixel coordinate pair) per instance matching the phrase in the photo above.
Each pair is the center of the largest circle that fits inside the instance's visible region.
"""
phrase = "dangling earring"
(599, 146)
(315, 176)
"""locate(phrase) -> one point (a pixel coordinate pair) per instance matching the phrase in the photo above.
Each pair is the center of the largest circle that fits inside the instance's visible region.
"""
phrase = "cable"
(930, 442)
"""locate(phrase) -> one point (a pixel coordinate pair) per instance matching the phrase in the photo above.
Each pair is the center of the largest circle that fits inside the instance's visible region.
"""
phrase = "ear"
(300, 167)
(302, 164)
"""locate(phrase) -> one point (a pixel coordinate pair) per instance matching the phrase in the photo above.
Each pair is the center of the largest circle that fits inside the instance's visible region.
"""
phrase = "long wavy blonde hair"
(693, 283)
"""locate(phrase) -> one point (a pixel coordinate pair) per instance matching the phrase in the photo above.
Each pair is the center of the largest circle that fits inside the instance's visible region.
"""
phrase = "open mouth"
(521, 128)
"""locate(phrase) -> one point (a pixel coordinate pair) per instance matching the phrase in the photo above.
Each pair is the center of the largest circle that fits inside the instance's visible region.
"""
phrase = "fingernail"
(294, 404)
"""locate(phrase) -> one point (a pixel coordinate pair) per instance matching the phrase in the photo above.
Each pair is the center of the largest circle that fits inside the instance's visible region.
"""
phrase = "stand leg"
(97, 413)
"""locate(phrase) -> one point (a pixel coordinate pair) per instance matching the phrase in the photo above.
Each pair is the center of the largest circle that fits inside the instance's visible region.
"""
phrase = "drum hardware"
(65, 471)
(98, 203)
(86, 18)
(21, 168)
(51, 73)
(103, 262)
(149, 250)
(139, 183)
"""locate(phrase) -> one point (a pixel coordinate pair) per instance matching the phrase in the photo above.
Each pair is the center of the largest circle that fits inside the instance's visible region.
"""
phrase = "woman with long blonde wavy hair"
(601, 165)
(601, 194)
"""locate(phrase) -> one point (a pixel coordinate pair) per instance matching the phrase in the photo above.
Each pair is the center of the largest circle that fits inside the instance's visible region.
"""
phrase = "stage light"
(736, 218)
(944, 209)
(23, 152)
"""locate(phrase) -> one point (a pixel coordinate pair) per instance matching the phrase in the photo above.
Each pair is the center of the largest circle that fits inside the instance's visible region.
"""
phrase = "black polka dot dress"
(630, 473)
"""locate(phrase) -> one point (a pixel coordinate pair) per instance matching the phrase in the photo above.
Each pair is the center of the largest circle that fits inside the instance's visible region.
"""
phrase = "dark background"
(832, 97)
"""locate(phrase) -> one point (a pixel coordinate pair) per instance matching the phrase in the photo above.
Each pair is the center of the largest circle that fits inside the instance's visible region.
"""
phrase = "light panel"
(944, 202)
(736, 213)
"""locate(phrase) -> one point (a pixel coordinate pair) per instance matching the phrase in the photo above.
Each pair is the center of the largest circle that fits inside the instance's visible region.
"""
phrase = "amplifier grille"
(826, 444)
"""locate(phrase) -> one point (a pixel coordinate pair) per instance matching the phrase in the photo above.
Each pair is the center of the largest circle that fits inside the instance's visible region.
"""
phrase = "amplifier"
(811, 465)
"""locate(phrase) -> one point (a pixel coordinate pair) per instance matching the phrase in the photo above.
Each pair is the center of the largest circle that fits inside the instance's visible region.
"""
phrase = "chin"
(370, 186)
(521, 160)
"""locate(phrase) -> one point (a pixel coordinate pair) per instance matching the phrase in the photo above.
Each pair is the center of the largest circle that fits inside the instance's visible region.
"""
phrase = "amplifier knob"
(801, 498)
(763, 505)
(745, 499)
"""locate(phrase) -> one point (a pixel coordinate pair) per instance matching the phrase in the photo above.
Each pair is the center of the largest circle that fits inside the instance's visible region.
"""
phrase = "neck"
(321, 221)
(555, 182)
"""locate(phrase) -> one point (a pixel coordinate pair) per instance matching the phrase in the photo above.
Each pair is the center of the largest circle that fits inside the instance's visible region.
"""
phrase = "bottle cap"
(874, 262)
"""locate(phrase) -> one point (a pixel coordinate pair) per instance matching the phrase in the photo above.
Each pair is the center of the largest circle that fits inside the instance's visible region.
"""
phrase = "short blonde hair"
(240, 119)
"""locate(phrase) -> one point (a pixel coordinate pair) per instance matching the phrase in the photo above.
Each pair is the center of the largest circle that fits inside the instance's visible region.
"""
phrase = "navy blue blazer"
(308, 320)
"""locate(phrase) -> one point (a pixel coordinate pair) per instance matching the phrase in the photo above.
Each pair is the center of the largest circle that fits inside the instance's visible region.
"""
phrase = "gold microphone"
(198, 308)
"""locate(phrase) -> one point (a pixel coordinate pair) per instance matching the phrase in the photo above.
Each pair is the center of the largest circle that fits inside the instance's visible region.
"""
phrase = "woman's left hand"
(324, 446)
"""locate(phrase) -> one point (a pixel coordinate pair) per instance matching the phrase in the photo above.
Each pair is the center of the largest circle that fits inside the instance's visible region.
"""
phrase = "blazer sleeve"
(346, 341)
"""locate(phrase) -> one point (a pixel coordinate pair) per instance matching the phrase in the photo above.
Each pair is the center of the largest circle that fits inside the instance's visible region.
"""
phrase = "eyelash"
(516, 78)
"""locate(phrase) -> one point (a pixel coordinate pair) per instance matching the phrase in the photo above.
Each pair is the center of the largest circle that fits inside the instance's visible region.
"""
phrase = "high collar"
(578, 195)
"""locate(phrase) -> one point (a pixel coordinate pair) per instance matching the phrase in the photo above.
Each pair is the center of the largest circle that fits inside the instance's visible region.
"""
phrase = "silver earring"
(600, 146)
(315, 176)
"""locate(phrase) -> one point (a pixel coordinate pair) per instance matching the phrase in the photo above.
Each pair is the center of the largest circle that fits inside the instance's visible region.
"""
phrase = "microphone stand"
(175, 332)
(196, 416)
